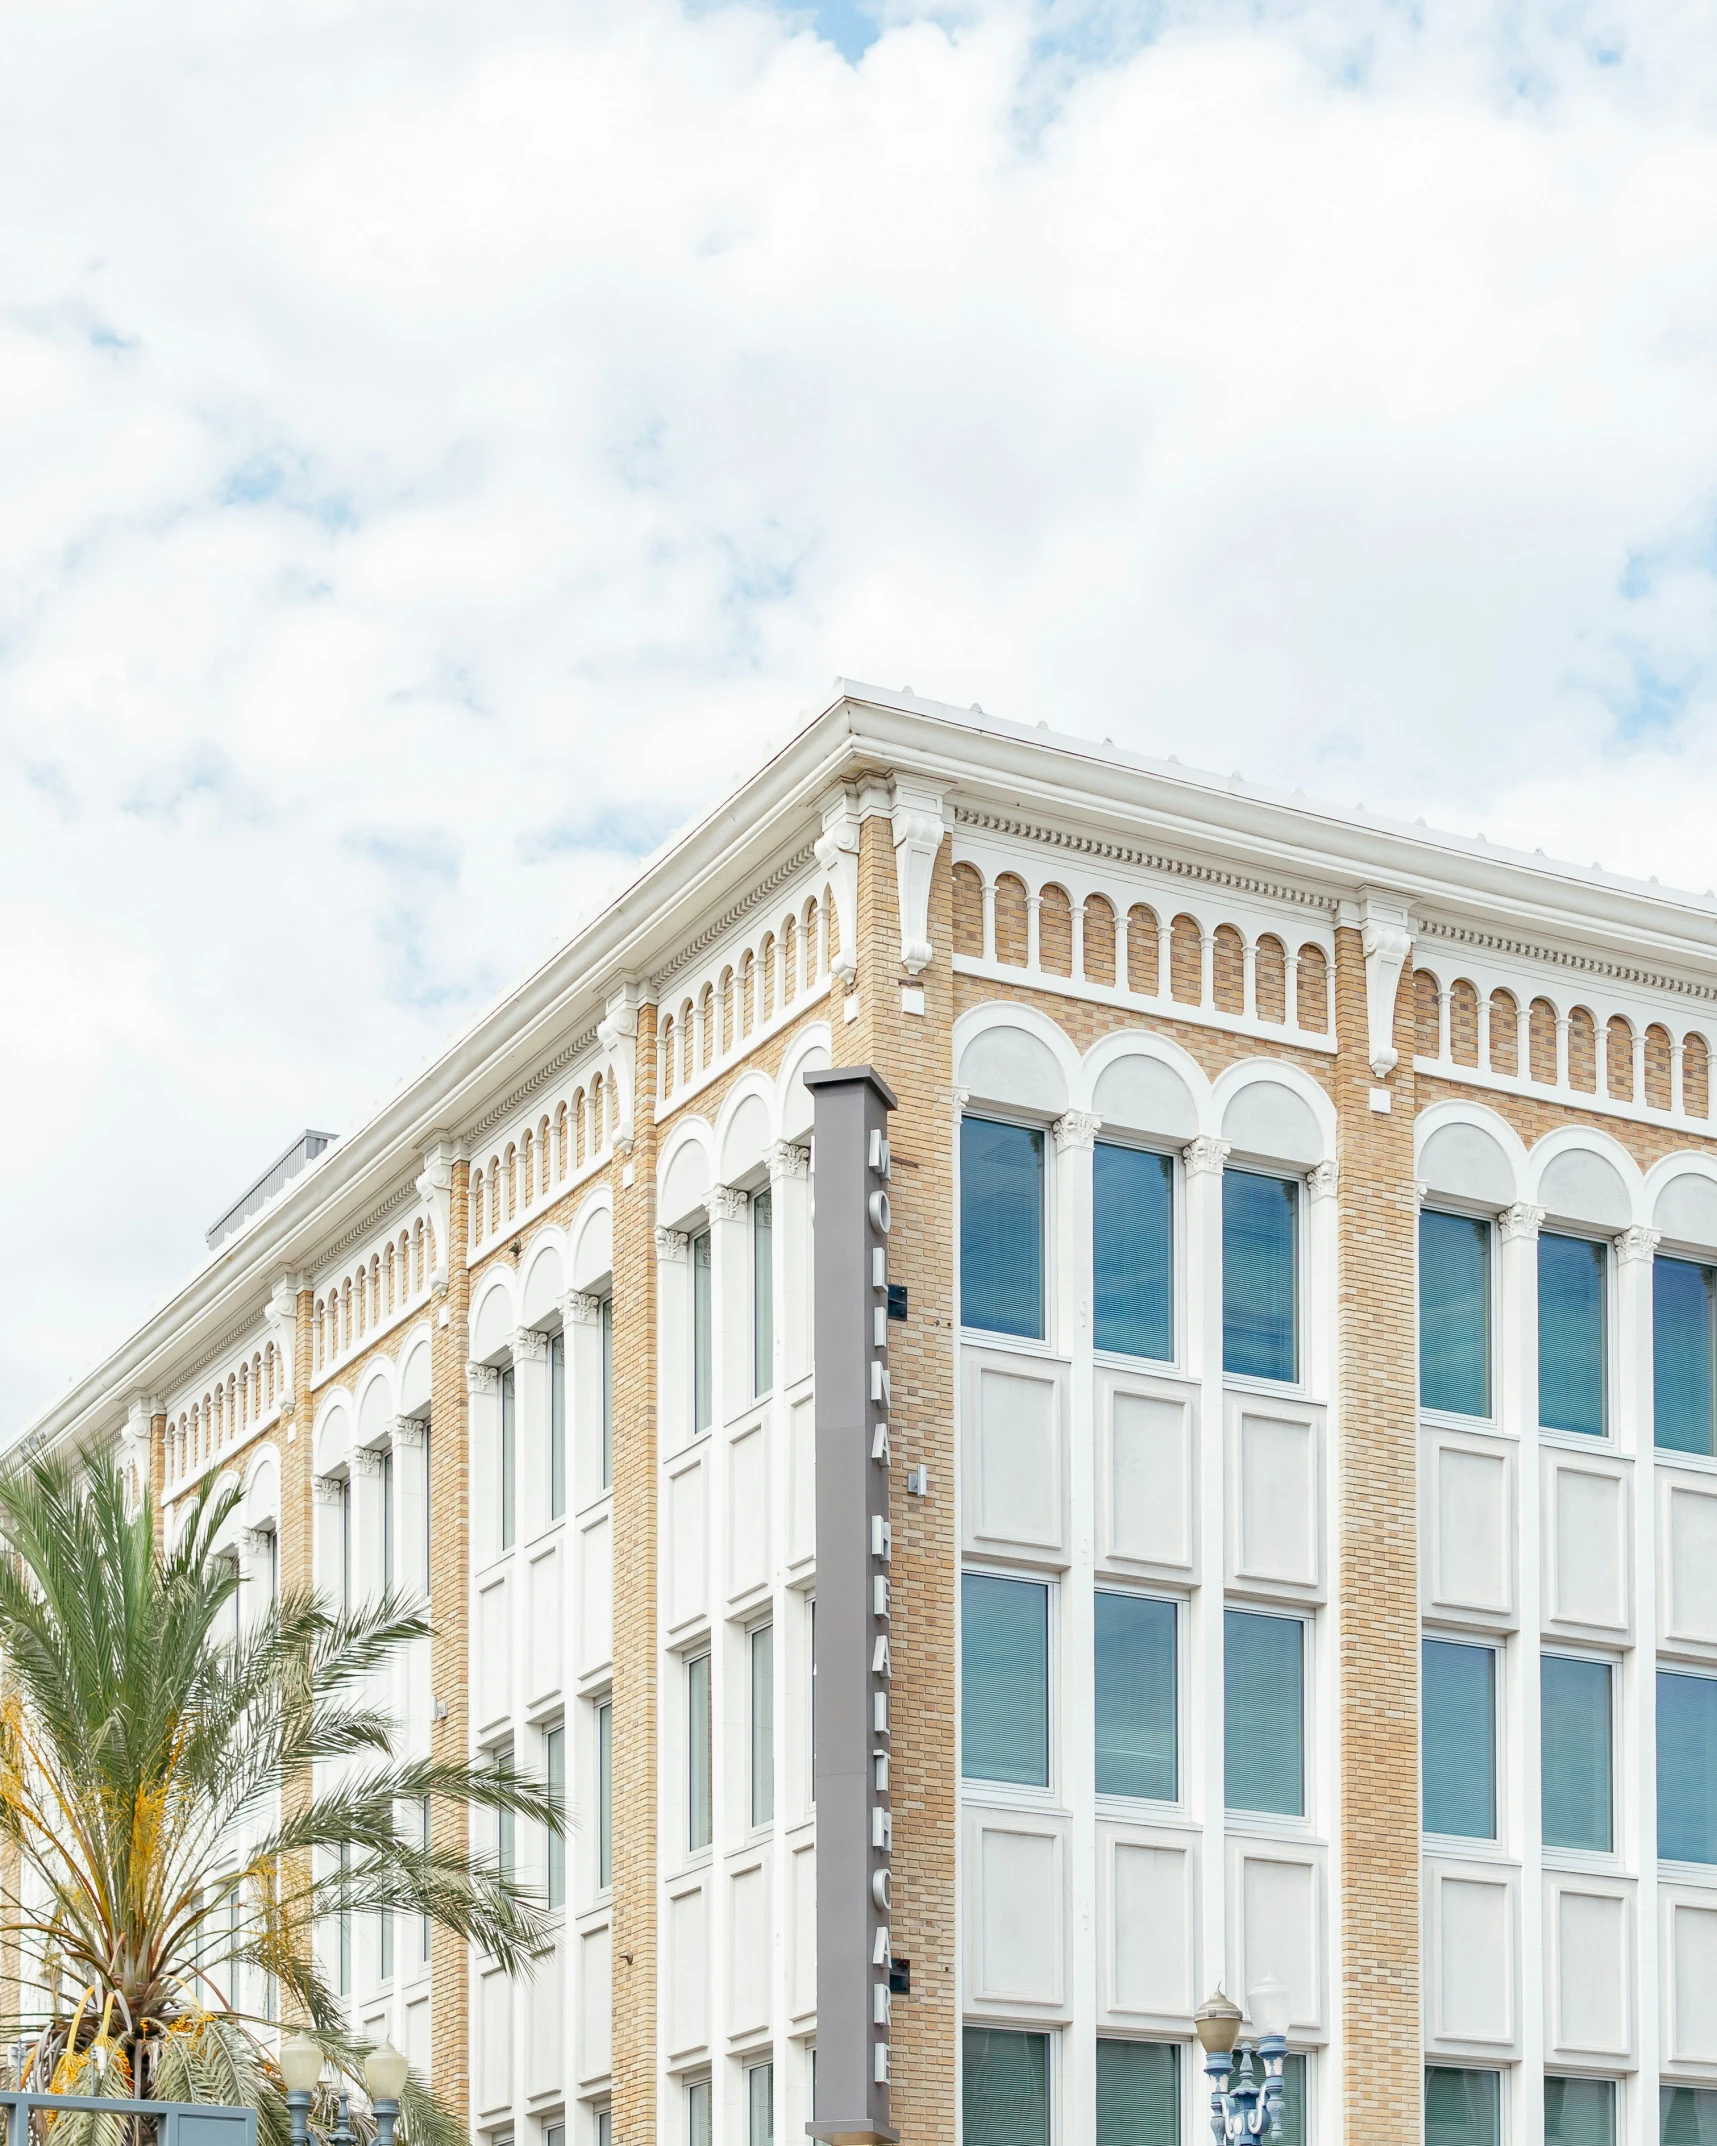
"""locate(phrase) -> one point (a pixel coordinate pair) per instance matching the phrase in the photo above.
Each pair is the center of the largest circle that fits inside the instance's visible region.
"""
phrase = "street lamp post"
(1246, 2108)
(385, 2072)
(300, 2067)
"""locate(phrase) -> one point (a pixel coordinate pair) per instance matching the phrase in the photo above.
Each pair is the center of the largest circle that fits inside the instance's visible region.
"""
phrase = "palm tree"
(186, 1801)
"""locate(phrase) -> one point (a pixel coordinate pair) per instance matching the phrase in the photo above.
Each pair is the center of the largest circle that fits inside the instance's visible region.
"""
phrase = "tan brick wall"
(914, 1055)
(1377, 1601)
(635, 1621)
(449, 1611)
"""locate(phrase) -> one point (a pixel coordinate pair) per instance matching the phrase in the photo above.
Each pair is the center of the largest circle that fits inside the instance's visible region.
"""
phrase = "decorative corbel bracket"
(1386, 936)
(435, 1190)
(838, 853)
(918, 829)
(617, 1034)
(281, 1314)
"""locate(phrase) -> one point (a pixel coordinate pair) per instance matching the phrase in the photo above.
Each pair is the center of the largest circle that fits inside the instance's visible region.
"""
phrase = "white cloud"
(444, 444)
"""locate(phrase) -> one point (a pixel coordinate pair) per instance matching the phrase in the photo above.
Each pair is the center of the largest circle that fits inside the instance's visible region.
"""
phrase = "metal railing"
(177, 2123)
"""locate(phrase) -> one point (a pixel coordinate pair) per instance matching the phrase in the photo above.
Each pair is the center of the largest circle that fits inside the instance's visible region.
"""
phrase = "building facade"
(1037, 1382)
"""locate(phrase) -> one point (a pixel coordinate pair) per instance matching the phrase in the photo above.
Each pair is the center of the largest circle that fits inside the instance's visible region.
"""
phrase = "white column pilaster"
(1204, 1160)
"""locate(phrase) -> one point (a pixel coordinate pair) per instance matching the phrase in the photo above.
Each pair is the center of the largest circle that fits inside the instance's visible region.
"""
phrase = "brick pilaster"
(635, 1779)
(914, 1054)
(449, 1647)
(1378, 1578)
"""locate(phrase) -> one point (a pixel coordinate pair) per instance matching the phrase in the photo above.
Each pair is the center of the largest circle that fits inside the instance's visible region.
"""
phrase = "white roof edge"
(1311, 839)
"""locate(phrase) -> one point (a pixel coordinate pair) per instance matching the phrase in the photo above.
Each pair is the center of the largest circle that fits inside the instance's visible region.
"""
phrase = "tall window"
(760, 2105)
(1004, 2088)
(1572, 1351)
(605, 1795)
(1001, 1227)
(506, 1830)
(602, 2129)
(1132, 1214)
(509, 1461)
(1264, 1713)
(1457, 1690)
(1687, 1769)
(1454, 1314)
(348, 1582)
(1260, 1275)
(1687, 2115)
(698, 2113)
(1462, 2108)
(384, 1937)
(423, 1839)
(557, 1425)
(762, 1649)
(1579, 2112)
(607, 1332)
(1138, 2094)
(1004, 1674)
(703, 1336)
(387, 1521)
(1574, 1705)
(425, 1480)
(1294, 2090)
(762, 1291)
(1135, 1692)
(1684, 1354)
(554, 1765)
(698, 1777)
(344, 1926)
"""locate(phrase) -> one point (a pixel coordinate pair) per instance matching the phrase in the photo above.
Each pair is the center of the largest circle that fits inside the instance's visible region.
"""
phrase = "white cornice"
(1233, 832)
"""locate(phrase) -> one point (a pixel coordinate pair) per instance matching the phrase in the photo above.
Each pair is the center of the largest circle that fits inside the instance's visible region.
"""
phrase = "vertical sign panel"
(855, 1825)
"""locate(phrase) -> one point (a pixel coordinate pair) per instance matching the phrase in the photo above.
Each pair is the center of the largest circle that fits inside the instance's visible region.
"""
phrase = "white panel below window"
(803, 1970)
(688, 1972)
(1472, 1955)
(1589, 1980)
(802, 1524)
(748, 1939)
(1469, 1533)
(596, 1595)
(1688, 1574)
(1690, 2000)
(1146, 1476)
(1587, 1566)
(544, 1623)
(1015, 1466)
(688, 1588)
(494, 1653)
(1276, 1912)
(547, 2037)
(595, 2003)
(748, 1511)
(1148, 1928)
(495, 2040)
(1016, 1941)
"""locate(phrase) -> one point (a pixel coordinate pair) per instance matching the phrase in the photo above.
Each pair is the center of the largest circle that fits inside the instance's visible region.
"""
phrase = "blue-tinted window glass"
(1293, 2101)
(1138, 2094)
(1454, 1313)
(1574, 1704)
(1458, 1745)
(1462, 2108)
(1579, 2112)
(1684, 1347)
(1004, 1679)
(1001, 1227)
(1687, 2116)
(1571, 1336)
(1132, 1206)
(1264, 1713)
(1260, 1275)
(1135, 1678)
(1686, 1767)
(1004, 2088)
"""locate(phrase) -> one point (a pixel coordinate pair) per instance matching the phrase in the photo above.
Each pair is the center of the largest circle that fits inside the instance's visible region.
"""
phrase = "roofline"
(863, 729)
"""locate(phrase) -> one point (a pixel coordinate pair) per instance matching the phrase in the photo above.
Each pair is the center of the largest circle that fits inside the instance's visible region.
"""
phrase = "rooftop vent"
(304, 1149)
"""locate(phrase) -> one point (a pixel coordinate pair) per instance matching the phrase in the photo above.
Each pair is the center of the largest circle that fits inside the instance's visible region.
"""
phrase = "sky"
(445, 444)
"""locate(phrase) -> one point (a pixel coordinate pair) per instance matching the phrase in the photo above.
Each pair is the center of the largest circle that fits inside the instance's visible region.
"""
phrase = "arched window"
(1228, 970)
(1010, 920)
(1099, 940)
(968, 911)
(1055, 932)
(1504, 1032)
(1143, 952)
(1186, 961)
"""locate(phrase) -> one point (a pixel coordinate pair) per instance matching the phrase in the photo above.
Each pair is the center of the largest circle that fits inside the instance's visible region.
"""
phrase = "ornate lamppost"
(385, 2072)
(1247, 2107)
